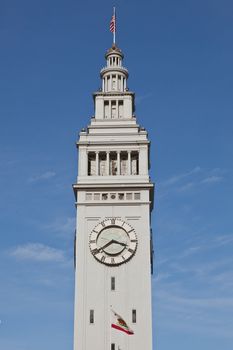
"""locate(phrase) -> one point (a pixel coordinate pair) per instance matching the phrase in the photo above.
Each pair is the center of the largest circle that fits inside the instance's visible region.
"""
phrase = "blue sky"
(179, 55)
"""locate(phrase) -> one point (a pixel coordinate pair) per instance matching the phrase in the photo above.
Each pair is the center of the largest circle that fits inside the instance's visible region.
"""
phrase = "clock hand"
(106, 245)
(113, 241)
(123, 244)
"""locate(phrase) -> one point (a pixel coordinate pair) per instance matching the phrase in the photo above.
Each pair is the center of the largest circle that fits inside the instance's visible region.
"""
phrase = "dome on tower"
(114, 50)
(114, 57)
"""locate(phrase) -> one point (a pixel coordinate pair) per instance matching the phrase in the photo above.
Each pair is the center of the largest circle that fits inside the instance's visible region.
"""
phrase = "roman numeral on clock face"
(130, 230)
(112, 261)
(95, 251)
(103, 258)
(94, 241)
(131, 250)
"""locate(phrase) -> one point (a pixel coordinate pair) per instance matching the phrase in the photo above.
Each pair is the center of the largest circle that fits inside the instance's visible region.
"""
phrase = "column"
(129, 162)
(117, 109)
(83, 170)
(107, 162)
(110, 83)
(124, 84)
(97, 163)
(118, 162)
(103, 84)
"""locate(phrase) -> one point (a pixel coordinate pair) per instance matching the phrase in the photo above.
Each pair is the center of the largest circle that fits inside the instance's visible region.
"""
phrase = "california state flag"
(119, 324)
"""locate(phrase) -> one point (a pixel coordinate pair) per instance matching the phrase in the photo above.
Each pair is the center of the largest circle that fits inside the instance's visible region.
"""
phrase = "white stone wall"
(133, 281)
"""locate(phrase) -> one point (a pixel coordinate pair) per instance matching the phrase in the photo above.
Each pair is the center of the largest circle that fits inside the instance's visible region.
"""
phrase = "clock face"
(113, 242)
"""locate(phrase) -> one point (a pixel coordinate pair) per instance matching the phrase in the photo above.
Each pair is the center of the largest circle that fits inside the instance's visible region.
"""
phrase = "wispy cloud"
(212, 179)
(192, 311)
(186, 187)
(42, 177)
(224, 239)
(191, 251)
(208, 244)
(203, 302)
(190, 180)
(176, 178)
(141, 98)
(62, 226)
(37, 252)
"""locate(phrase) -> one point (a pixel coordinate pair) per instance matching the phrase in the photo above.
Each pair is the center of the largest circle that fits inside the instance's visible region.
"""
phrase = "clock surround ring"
(113, 242)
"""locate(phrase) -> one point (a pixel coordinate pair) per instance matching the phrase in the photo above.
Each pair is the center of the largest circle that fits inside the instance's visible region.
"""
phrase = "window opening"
(113, 114)
(103, 164)
(88, 196)
(113, 346)
(91, 316)
(135, 163)
(134, 316)
(114, 82)
(129, 196)
(113, 163)
(124, 163)
(113, 283)
(106, 109)
(120, 107)
(137, 196)
(91, 164)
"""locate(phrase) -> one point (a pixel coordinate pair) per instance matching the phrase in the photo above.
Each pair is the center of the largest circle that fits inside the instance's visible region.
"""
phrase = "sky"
(179, 55)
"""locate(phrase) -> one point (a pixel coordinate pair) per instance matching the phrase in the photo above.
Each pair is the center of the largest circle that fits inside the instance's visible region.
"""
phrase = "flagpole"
(114, 33)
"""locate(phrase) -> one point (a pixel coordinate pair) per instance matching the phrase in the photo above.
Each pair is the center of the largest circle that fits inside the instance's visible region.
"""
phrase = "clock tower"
(114, 199)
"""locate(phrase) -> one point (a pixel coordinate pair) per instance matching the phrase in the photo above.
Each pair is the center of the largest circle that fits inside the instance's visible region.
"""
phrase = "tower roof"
(114, 50)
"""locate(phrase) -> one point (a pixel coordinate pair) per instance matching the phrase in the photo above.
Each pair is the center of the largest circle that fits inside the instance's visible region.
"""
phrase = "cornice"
(82, 187)
(112, 142)
(106, 94)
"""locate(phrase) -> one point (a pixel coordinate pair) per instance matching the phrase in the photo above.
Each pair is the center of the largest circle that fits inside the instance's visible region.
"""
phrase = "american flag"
(113, 24)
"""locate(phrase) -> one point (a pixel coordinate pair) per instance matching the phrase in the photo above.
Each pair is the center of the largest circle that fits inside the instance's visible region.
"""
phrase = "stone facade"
(113, 183)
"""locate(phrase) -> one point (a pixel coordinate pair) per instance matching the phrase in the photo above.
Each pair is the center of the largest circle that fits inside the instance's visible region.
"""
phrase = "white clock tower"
(114, 198)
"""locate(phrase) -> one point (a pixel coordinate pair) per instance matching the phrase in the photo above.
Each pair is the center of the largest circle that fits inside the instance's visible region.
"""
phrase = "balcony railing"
(114, 68)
